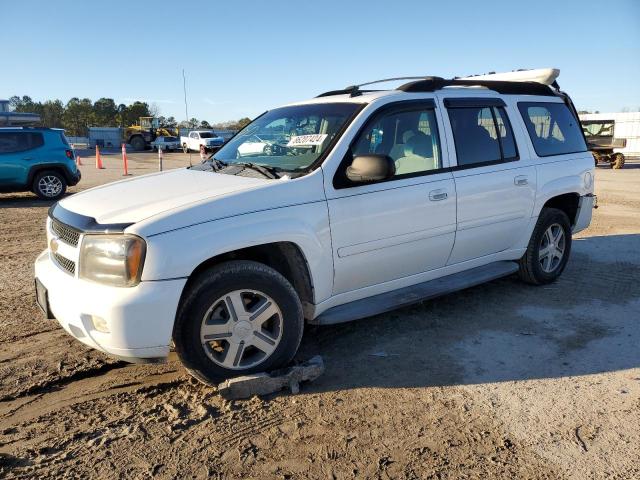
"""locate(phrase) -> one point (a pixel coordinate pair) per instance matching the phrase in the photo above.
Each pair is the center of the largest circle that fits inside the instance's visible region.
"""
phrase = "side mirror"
(371, 168)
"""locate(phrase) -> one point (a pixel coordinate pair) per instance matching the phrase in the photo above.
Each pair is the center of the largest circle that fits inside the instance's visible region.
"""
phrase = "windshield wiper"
(217, 164)
(269, 172)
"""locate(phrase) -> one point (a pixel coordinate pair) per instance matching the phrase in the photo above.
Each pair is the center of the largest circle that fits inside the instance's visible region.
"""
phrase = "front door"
(402, 226)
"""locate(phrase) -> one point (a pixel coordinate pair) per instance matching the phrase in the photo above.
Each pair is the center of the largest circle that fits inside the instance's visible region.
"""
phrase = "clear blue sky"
(244, 57)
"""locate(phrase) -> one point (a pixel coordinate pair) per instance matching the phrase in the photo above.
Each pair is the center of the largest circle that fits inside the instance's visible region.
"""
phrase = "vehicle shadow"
(504, 330)
(22, 200)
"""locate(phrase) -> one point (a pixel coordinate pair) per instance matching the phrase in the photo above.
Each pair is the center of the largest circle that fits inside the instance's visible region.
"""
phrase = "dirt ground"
(501, 380)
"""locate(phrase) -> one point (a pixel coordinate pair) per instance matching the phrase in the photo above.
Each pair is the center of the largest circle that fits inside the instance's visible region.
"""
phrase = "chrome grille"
(67, 265)
(65, 233)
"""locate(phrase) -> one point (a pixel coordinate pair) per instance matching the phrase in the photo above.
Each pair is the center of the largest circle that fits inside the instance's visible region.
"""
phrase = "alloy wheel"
(552, 247)
(50, 186)
(241, 329)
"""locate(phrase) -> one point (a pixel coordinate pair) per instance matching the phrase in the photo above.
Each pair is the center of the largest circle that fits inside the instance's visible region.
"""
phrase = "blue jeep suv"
(38, 160)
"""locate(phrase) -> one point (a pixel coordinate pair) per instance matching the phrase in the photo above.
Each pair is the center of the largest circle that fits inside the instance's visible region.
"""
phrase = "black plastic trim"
(83, 223)
(452, 102)
(71, 178)
(431, 84)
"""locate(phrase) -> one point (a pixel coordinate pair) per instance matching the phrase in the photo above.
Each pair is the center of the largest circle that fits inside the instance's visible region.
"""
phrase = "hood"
(133, 200)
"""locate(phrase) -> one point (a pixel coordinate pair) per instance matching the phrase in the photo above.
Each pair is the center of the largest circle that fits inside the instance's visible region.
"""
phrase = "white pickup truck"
(364, 201)
(198, 138)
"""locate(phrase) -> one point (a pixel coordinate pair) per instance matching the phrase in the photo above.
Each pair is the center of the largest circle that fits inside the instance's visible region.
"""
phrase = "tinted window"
(482, 134)
(553, 128)
(19, 141)
(507, 141)
(409, 137)
(474, 134)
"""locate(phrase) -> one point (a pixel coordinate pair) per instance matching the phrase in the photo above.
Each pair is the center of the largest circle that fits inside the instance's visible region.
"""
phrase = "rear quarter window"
(553, 128)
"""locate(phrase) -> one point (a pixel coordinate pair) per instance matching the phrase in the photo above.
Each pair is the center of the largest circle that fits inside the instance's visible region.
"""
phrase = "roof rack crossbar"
(354, 90)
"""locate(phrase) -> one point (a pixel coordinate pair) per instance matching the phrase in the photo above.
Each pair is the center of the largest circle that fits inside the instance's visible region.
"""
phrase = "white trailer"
(627, 127)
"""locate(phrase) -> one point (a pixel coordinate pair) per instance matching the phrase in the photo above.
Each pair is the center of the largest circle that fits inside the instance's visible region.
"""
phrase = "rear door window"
(553, 129)
(482, 135)
(11, 142)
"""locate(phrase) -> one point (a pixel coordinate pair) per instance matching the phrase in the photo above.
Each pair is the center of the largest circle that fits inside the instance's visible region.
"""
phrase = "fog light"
(100, 324)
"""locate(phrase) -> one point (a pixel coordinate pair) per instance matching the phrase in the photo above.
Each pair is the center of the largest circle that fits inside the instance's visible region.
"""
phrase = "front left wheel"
(237, 318)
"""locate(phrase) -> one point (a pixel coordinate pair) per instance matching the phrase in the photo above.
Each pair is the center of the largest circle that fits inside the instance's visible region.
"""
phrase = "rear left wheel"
(49, 185)
(548, 250)
(239, 317)
(617, 161)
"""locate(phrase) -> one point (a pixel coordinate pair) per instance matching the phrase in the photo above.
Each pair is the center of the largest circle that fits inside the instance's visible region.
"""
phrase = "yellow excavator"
(141, 135)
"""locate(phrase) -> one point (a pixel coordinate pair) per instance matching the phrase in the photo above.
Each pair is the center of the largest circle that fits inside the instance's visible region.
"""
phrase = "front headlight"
(112, 259)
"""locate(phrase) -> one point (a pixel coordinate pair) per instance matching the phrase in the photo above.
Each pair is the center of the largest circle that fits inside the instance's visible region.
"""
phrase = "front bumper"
(139, 319)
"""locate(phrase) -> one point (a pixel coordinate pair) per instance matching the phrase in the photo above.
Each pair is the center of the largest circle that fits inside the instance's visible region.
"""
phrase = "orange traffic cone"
(125, 162)
(78, 161)
(98, 159)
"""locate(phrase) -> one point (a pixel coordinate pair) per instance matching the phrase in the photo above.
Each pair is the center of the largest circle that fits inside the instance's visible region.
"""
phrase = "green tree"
(133, 112)
(105, 113)
(52, 114)
(204, 124)
(243, 122)
(25, 104)
(77, 116)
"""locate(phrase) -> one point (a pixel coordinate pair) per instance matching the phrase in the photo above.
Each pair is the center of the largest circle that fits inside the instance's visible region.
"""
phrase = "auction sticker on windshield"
(307, 140)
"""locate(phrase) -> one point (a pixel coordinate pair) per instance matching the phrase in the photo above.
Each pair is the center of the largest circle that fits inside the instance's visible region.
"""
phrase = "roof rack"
(354, 90)
(431, 84)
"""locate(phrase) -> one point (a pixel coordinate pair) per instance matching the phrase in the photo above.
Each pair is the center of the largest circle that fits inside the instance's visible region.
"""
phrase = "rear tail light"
(69, 154)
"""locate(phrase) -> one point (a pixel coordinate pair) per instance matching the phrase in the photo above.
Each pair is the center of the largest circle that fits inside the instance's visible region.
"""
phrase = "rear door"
(400, 227)
(495, 182)
(18, 153)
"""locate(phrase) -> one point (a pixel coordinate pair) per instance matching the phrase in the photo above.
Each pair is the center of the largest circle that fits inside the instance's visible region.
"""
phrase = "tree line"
(77, 115)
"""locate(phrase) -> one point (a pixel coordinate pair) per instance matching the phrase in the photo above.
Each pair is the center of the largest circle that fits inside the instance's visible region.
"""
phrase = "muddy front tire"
(548, 250)
(237, 318)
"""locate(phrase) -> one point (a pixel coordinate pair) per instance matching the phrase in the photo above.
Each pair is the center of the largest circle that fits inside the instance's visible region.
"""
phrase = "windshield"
(288, 138)
(207, 135)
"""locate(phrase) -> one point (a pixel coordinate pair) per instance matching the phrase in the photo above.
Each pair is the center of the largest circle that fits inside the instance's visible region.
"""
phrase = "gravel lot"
(501, 380)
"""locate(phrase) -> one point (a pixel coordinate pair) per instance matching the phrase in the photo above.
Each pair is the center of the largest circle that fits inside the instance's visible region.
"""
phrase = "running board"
(388, 301)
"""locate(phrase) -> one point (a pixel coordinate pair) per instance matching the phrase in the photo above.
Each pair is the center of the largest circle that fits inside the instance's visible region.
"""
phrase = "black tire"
(138, 143)
(204, 293)
(617, 161)
(596, 157)
(49, 185)
(531, 270)
(185, 149)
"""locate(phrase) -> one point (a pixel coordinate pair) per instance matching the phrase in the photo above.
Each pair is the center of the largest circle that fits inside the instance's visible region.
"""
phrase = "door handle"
(521, 180)
(436, 195)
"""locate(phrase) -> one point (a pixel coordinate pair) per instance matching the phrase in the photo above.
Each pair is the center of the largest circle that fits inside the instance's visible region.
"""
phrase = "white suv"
(363, 202)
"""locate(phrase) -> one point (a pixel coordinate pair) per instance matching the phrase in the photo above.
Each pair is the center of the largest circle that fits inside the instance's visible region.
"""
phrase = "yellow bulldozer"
(141, 135)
